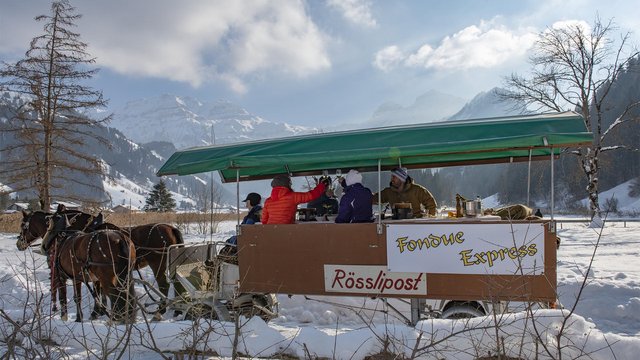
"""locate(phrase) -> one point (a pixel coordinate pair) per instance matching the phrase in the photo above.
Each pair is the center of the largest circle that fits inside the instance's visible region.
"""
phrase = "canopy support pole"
(237, 199)
(211, 210)
(379, 197)
(552, 187)
(529, 180)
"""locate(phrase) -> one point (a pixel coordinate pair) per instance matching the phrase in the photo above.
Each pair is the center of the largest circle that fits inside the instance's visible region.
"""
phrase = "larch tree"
(575, 67)
(50, 126)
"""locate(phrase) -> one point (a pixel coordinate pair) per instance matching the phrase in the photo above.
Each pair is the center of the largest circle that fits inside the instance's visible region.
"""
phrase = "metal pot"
(402, 211)
(470, 209)
(307, 214)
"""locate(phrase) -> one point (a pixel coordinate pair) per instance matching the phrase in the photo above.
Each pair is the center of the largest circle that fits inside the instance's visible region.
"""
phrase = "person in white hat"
(355, 204)
(402, 189)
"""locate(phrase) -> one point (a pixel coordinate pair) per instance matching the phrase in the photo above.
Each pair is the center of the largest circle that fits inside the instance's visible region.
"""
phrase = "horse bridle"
(27, 228)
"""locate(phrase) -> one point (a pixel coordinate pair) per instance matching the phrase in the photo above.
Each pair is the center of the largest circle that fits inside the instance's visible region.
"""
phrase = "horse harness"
(75, 234)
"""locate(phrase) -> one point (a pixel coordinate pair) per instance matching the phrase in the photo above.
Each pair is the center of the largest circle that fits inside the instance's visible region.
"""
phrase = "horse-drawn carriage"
(460, 264)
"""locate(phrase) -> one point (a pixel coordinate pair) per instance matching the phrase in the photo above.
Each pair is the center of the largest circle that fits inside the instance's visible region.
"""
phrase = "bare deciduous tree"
(575, 68)
(50, 126)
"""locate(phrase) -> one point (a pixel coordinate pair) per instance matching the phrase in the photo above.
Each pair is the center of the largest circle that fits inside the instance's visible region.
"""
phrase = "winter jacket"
(324, 205)
(355, 205)
(251, 218)
(280, 207)
(412, 193)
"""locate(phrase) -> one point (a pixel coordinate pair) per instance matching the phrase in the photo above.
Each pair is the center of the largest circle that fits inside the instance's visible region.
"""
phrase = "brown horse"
(151, 242)
(34, 226)
(105, 257)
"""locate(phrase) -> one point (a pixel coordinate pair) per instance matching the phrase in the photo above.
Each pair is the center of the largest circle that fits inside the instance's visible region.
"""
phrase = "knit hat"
(253, 198)
(353, 177)
(281, 180)
(400, 173)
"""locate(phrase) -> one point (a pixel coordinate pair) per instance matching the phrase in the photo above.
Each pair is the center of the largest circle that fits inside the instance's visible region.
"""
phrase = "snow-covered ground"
(606, 323)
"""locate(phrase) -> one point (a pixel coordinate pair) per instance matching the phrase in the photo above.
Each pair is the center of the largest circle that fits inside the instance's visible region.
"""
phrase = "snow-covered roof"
(128, 207)
(67, 204)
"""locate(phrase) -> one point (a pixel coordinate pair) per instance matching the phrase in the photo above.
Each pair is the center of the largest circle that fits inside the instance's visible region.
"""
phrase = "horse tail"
(126, 295)
(128, 251)
(178, 234)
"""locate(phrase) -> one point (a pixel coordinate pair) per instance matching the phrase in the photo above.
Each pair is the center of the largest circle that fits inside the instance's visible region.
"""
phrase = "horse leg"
(77, 298)
(55, 292)
(99, 301)
(61, 288)
(58, 287)
(54, 302)
(158, 268)
(123, 298)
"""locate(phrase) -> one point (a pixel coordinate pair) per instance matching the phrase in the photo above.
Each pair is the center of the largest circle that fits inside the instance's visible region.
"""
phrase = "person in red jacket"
(280, 207)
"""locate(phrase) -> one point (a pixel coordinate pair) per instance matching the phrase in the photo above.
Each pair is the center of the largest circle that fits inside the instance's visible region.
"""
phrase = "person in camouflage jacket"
(402, 189)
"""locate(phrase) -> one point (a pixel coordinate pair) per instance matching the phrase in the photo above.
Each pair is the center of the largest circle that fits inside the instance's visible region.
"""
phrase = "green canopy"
(450, 143)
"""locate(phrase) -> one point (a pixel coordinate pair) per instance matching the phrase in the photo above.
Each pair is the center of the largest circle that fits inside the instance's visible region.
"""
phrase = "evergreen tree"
(160, 199)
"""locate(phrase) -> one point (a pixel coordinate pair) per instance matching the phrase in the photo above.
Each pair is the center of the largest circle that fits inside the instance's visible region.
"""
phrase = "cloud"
(356, 11)
(571, 25)
(201, 41)
(483, 46)
(388, 58)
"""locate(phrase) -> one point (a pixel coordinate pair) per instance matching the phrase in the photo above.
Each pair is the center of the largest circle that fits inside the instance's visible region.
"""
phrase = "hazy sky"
(314, 62)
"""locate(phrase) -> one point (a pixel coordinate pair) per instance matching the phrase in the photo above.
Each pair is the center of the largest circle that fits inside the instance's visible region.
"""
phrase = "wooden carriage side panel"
(290, 259)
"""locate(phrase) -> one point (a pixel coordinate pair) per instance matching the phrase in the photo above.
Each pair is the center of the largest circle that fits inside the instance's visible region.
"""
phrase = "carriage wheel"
(462, 311)
(200, 311)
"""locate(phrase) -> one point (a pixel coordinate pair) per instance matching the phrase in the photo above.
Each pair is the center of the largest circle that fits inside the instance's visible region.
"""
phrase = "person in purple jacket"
(355, 204)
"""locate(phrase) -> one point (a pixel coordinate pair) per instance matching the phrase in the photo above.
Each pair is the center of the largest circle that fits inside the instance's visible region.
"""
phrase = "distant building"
(18, 206)
(124, 209)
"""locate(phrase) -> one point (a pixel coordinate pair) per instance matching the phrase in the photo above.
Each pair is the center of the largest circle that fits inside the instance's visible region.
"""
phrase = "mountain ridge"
(188, 122)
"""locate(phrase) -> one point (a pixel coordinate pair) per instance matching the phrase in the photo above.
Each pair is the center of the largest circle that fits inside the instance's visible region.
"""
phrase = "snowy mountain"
(428, 107)
(485, 105)
(131, 167)
(188, 122)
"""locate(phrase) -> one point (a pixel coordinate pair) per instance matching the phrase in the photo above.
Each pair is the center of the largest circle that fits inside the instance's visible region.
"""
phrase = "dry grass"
(134, 219)
(11, 222)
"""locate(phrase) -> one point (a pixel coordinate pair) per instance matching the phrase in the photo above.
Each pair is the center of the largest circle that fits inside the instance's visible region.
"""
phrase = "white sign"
(497, 249)
(365, 279)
